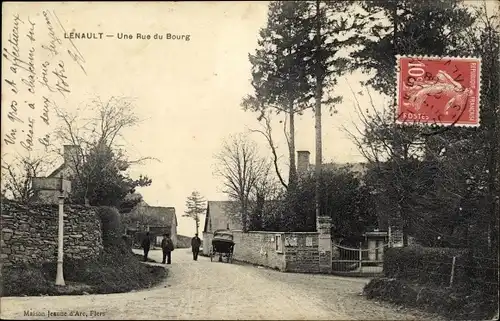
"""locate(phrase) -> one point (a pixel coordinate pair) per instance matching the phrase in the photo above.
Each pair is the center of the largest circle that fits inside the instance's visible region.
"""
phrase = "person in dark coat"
(167, 247)
(146, 244)
(195, 246)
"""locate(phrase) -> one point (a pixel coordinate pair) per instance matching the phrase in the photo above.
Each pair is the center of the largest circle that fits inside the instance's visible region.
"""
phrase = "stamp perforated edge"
(456, 124)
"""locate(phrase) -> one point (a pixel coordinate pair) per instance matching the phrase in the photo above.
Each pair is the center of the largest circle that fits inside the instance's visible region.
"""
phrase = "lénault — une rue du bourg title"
(123, 35)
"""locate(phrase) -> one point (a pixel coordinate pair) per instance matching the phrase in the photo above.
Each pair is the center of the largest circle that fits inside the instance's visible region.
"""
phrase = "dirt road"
(212, 290)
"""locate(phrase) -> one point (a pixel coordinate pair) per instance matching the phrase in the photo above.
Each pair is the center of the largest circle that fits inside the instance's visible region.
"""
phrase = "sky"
(186, 93)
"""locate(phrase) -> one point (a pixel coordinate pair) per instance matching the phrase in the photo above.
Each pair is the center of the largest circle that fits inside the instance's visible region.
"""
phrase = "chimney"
(302, 162)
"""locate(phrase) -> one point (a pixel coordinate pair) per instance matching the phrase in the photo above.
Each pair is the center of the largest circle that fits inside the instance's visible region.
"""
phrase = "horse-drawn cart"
(223, 245)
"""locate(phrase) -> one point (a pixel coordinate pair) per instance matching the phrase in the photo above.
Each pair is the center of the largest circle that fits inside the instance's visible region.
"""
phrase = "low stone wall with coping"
(30, 233)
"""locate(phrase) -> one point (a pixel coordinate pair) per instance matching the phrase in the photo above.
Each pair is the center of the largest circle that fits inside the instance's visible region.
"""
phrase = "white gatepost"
(65, 186)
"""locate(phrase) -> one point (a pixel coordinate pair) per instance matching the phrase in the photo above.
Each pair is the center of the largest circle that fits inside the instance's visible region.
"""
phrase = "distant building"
(304, 167)
(165, 218)
(71, 158)
(222, 215)
(47, 189)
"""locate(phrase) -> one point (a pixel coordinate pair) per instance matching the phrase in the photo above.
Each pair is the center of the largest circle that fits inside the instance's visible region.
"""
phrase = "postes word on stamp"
(438, 90)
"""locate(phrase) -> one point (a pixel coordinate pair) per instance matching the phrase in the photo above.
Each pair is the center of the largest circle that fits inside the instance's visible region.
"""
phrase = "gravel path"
(213, 290)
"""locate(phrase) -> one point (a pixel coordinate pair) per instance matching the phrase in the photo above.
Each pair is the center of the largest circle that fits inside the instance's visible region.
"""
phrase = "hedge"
(457, 303)
(426, 265)
(110, 225)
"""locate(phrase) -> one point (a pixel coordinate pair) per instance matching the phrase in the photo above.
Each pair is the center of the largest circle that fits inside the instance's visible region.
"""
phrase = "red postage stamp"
(438, 90)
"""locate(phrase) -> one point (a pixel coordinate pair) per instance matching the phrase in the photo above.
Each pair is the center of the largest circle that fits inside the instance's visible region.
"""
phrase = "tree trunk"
(292, 177)
(405, 234)
(244, 217)
(318, 96)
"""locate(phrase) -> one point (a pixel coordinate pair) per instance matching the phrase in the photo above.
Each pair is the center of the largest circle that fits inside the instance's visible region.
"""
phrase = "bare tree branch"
(241, 170)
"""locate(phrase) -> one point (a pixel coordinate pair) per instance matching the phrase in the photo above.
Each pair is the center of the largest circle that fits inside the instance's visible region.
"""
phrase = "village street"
(213, 290)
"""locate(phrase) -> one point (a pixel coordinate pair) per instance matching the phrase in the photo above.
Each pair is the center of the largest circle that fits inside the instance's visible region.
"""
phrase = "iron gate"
(358, 261)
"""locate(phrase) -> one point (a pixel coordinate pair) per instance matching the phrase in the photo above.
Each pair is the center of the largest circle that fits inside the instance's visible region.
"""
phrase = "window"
(278, 244)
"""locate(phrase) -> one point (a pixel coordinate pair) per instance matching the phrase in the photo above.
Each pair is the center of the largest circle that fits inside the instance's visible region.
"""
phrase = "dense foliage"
(102, 179)
(344, 198)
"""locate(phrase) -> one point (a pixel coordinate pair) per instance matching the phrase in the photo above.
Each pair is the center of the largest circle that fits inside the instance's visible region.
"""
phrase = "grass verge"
(116, 270)
(457, 303)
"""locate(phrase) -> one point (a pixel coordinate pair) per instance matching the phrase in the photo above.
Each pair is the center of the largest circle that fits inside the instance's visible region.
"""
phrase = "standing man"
(167, 247)
(195, 246)
(146, 244)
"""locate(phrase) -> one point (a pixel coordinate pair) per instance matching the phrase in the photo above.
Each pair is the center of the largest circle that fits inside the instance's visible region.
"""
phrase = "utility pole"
(60, 252)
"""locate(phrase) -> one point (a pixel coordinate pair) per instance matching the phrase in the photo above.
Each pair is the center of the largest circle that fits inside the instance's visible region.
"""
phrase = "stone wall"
(29, 233)
(261, 248)
(288, 252)
(183, 242)
(301, 252)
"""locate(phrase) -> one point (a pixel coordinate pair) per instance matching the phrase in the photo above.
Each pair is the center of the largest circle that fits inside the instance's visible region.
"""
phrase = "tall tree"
(99, 164)
(484, 41)
(413, 28)
(279, 77)
(428, 27)
(195, 206)
(296, 64)
(103, 179)
(241, 168)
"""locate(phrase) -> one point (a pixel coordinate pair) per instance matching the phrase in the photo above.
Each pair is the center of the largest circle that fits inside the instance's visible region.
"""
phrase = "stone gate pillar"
(323, 225)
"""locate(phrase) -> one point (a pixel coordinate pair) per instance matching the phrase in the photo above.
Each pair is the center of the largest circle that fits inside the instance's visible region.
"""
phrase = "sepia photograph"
(250, 160)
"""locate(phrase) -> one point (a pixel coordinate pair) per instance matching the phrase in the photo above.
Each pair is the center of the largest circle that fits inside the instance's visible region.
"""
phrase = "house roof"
(223, 212)
(359, 168)
(160, 211)
(56, 172)
(165, 213)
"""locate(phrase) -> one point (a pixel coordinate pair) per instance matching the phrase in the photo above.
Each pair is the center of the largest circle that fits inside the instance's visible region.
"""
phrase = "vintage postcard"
(250, 160)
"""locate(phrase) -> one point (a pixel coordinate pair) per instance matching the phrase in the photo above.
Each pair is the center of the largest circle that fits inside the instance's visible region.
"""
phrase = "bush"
(455, 303)
(425, 265)
(110, 225)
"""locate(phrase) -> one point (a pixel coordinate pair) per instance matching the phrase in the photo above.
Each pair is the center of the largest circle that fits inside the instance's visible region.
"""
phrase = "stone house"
(70, 160)
(165, 218)
(221, 215)
(47, 189)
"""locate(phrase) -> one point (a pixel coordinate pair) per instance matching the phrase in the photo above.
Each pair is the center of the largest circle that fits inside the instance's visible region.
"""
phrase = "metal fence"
(358, 261)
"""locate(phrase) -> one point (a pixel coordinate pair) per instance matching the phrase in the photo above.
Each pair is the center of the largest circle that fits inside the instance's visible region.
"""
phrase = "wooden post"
(390, 236)
(452, 270)
(360, 256)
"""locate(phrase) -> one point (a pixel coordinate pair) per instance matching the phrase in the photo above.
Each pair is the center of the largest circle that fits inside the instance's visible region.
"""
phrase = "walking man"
(195, 246)
(146, 244)
(167, 246)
